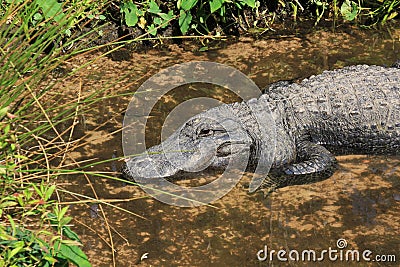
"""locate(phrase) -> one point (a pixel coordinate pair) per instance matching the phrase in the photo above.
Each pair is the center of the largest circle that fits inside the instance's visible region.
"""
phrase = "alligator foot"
(268, 186)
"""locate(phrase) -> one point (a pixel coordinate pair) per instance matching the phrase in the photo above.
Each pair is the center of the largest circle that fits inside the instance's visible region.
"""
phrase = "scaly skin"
(352, 110)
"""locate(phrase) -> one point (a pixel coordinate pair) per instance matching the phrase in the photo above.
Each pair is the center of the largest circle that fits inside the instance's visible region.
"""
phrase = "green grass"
(34, 41)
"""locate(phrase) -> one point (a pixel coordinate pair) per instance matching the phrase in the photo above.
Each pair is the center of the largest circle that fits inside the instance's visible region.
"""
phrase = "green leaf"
(70, 234)
(61, 213)
(69, 243)
(21, 201)
(51, 9)
(74, 254)
(187, 4)
(130, 11)
(250, 3)
(37, 17)
(3, 111)
(153, 7)
(49, 192)
(184, 21)
(38, 191)
(168, 16)
(215, 5)
(222, 13)
(64, 221)
(50, 259)
(28, 194)
(16, 250)
(12, 223)
(141, 13)
(164, 19)
(6, 204)
(152, 30)
(3, 145)
(349, 10)
(68, 32)
(157, 21)
(6, 129)
(21, 157)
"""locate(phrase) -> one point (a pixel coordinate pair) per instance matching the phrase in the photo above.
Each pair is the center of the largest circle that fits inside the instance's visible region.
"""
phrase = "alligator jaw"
(158, 164)
(152, 165)
(200, 143)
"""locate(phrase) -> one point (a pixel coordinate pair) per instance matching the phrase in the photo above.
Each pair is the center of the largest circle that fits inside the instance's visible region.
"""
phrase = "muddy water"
(360, 203)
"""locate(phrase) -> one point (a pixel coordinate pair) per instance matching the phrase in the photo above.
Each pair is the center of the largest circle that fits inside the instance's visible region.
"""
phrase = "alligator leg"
(314, 159)
(315, 163)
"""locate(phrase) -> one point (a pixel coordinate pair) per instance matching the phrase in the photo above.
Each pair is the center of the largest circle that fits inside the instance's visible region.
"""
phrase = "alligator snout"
(196, 146)
(158, 163)
(149, 165)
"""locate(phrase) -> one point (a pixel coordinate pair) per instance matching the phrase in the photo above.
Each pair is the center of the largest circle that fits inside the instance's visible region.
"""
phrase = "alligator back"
(351, 110)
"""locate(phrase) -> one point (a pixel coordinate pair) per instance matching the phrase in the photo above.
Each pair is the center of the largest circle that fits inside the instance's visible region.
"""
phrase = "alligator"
(353, 110)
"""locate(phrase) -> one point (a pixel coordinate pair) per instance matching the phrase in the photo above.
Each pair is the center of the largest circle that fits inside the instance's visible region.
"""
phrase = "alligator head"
(210, 139)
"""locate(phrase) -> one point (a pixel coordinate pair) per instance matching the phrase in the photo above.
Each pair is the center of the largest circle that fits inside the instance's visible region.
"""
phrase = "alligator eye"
(205, 132)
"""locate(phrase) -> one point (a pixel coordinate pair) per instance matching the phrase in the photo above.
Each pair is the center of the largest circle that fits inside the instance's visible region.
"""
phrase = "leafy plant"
(136, 15)
(23, 247)
(185, 16)
(216, 5)
(190, 14)
(386, 10)
(349, 10)
(206, 16)
(34, 36)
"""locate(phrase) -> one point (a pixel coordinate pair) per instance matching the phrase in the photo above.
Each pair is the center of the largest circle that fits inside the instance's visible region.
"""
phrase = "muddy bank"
(360, 203)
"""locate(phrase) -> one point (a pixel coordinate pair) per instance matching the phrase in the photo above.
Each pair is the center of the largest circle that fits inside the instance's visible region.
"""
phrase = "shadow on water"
(360, 203)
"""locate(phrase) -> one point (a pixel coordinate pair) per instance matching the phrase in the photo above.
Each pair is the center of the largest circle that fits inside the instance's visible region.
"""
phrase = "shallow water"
(360, 203)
